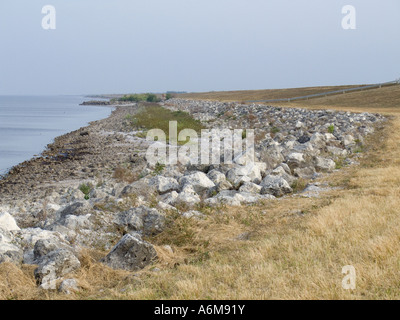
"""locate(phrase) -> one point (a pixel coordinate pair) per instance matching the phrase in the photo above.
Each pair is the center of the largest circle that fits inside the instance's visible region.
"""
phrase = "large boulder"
(272, 156)
(250, 187)
(318, 140)
(77, 209)
(262, 167)
(306, 149)
(170, 197)
(305, 173)
(246, 157)
(242, 174)
(223, 185)
(29, 236)
(164, 184)
(249, 198)
(54, 266)
(13, 255)
(198, 181)
(27, 239)
(236, 177)
(45, 246)
(131, 253)
(295, 160)
(147, 221)
(348, 140)
(78, 222)
(280, 171)
(9, 252)
(275, 185)
(216, 176)
(337, 152)
(227, 197)
(188, 197)
(324, 164)
(141, 188)
(7, 222)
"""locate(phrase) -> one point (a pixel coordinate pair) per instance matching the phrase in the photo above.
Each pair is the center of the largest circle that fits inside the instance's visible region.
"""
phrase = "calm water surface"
(28, 124)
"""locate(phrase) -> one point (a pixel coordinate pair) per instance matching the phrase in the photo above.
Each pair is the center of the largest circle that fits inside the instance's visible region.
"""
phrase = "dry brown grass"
(17, 283)
(245, 95)
(293, 248)
(384, 100)
(124, 175)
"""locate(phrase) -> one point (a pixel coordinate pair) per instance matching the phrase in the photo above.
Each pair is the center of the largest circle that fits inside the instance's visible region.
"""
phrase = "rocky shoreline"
(93, 188)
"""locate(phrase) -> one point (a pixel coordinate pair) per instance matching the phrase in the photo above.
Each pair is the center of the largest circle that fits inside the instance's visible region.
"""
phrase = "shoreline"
(39, 154)
(83, 119)
(61, 160)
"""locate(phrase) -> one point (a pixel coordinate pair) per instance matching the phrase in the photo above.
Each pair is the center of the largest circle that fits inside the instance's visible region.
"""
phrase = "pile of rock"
(291, 144)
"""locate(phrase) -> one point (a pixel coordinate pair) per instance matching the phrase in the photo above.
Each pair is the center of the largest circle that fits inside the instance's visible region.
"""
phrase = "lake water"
(28, 124)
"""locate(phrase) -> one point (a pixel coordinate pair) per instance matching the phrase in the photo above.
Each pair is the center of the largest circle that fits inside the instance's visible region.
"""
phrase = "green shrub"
(132, 98)
(149, 97)
(331, 129)
(339, 163)
(275, 130)
(152, 98)
(159, 168)
(85, 189)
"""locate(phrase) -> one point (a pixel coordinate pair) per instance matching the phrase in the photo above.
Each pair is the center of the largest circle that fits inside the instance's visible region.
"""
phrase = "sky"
(127, 46)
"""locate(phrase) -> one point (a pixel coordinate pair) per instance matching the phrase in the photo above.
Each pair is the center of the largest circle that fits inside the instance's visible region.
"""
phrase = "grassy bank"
(269, 94)
(153, 116)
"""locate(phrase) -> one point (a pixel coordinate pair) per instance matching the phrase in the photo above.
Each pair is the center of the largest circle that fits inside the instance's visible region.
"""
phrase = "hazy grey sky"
(119, 46)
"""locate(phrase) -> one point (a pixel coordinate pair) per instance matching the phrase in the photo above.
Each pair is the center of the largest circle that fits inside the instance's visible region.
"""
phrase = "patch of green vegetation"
(149, 97)
(339, 163)
(331, 129)
(85, 189)
(152, 98)
(154, 116)
(359, 149)
(274, 130)
(141, 134)
(159, 168)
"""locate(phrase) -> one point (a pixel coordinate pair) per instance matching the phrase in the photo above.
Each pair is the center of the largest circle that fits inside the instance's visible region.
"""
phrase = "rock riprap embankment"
(48, 220)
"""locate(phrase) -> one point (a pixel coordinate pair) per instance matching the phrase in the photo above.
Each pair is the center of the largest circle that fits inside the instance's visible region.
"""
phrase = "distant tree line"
(149, 97)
